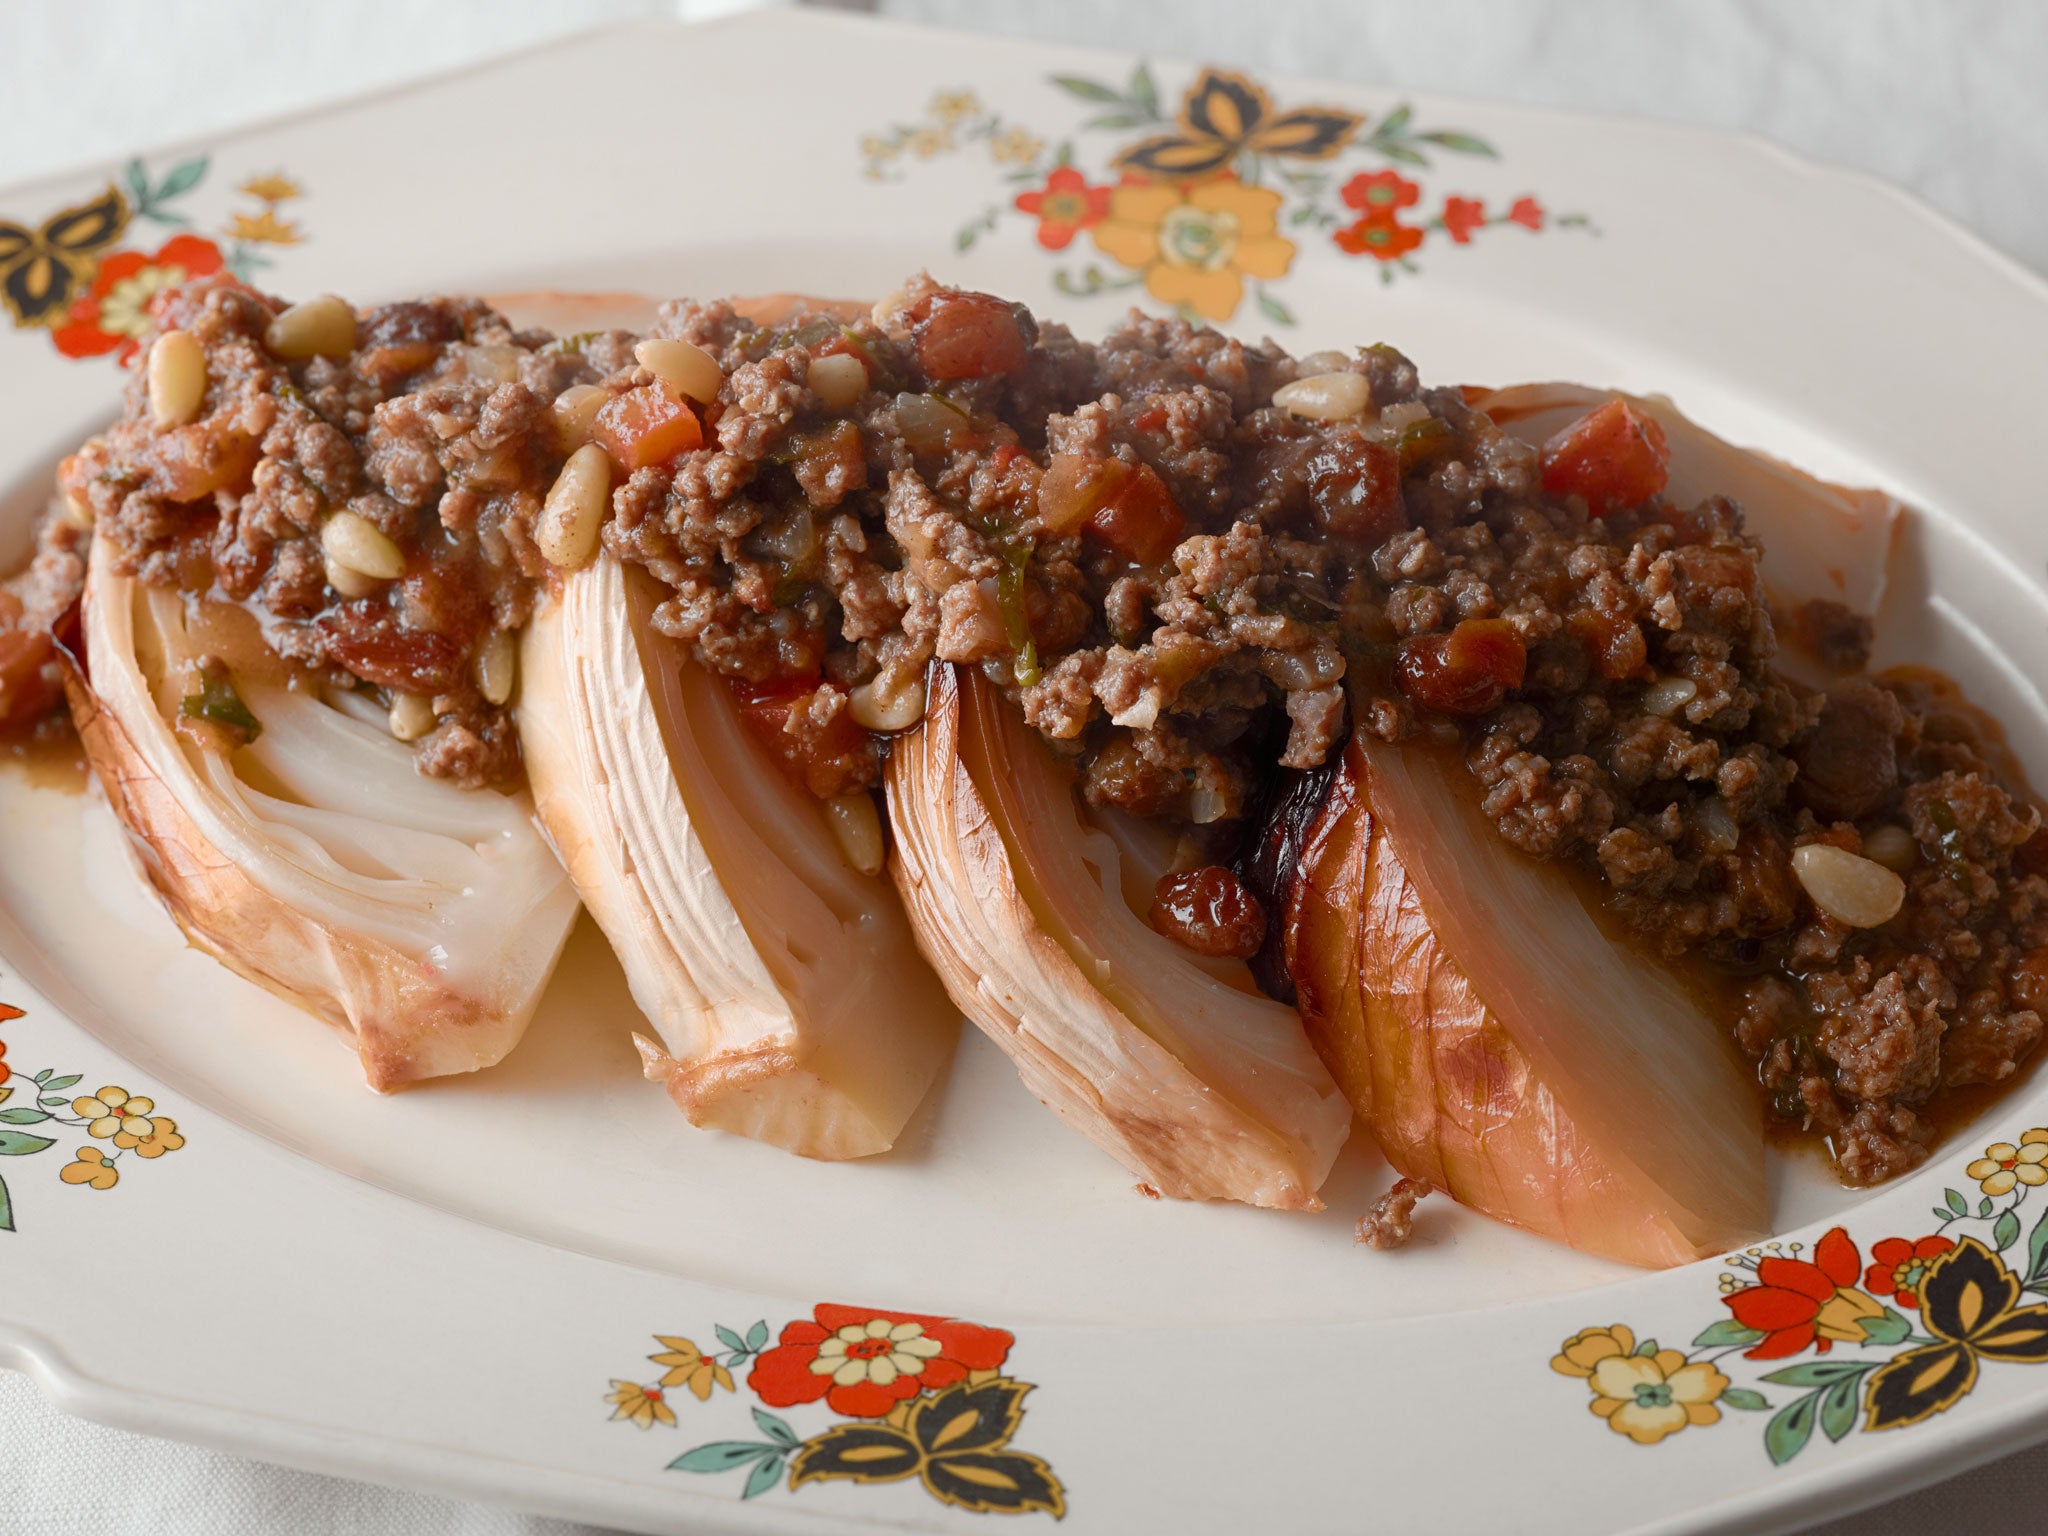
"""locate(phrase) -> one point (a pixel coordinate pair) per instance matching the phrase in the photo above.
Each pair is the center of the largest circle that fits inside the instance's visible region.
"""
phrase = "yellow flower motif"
(161, 1137)
(2003, 1165)
(688, 1368)
(1645, 1397)
(264, 228)
(1844, 1315)
(111, 1110)
(643, 1405)
(1196, 242)
(875, 147)
(91, 1167)
(953, 106)
(274, 188)
(1015, 146)
(926, 142)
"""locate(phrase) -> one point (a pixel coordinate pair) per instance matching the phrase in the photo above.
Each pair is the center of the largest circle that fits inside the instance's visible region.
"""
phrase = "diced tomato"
(1614, 645)
(646, 426)
(1355, 487)
(1126, 506)
(1614, 456)
(826, 759)
(1465, 672)
(969, 336)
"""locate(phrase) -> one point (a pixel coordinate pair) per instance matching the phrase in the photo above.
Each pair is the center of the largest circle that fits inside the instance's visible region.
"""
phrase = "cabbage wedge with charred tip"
(1820, 540)
(1029, 906)
(1497, 1041)
(790, 1001)
(422, 920)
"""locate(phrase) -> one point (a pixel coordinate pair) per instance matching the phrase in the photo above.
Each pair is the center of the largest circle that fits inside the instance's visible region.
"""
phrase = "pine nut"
(1893, 847)
(76, 511)
(177, 378)
(350, 583)
(412, 716)
(353, 542)
(573, 515)
(322, 327)
(883, 711)
(1716, 825)
(683, 366)
(1325, 396)
(839, 379)
(575, 412)
(497, 666)
(1848, 887)
(858, 829)
(1668, 695)
(493, 364)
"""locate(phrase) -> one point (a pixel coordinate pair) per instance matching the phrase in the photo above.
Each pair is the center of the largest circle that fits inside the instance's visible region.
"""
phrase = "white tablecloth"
(1944, 99)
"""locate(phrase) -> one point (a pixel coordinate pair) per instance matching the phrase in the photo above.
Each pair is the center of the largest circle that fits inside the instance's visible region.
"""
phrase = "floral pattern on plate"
(119, 1123)
(83, 274)
(1924, 1314)
(1211, 205)
(921, 1397)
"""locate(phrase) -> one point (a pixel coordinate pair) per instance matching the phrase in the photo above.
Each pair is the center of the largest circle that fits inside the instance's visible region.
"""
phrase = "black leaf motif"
(1007, 1482)
(42, 270)
(970, 1418)
(861, 1453)
(1919, 1384)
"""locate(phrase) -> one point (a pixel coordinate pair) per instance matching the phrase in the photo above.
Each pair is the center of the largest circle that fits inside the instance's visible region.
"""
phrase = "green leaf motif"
(766, 1474)
(138, 183)
(757, 1339)
(1956, 1202)
(1817, 1373)
(1274, 310)
(1460, 143)
(1087, 90)
(23, 1115)
(1726, 1331)
(774, 1428)
(1120, 119)
(1743, 1398)
(1838, 1408)
(1647, 1349)
(55, 1103)
(1942, 1215)
(183, 177)
(21, 1143)
(1395, 123)
(1891, 1328)
(964, 241)
(62, 1082)
(1984, 1207)
(1143, 92)
(1790, 1428)
(43, 1077)
(2003, 1235)
(728, 1338)
(722, 1456)
(2037, 1248)
(1401, 154)
(6, 1208)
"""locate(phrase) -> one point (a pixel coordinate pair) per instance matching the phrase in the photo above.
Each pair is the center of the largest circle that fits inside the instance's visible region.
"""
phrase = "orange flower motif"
(687, 1367)
(1196, 242)
(113, 314)
(264, 228)
(5, 1070)
(630, 1400)
(1064, 207)
(160, 1137)
(90, 1167)
(113, 1109)
(274, 188)
(1462, 215)
(1527, 212)
(1380, 192)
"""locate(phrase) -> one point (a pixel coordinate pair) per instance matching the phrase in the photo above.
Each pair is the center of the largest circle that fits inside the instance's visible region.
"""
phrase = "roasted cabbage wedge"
(785, 989)
(420, 919)
(1498, 1041)
(1496, 1036)
(1030, 908)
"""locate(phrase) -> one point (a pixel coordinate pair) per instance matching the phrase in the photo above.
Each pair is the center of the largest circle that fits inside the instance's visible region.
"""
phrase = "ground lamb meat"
(1391, 1221)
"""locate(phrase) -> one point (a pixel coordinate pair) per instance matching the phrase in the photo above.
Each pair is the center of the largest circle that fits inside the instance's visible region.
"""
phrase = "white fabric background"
(1944, 99)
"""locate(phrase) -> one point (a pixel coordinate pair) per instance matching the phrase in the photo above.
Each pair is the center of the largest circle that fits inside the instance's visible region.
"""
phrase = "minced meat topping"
(1181, 581)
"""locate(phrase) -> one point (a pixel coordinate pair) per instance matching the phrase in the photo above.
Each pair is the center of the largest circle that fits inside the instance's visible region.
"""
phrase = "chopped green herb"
(218, 702)
(577, 342)
(1425, 441)
(1016, 621)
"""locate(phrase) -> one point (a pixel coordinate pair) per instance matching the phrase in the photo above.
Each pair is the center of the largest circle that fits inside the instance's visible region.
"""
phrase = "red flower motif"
(1378, 235)
(1462, 215)
(1786, 1303)
(864, 1362)
(1900, 1267)
(1381, 192)
(1064, 207)
(1527, 212)
(113, 314)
